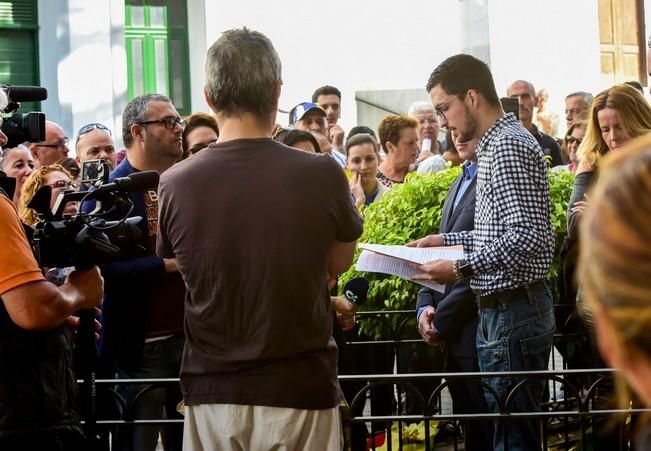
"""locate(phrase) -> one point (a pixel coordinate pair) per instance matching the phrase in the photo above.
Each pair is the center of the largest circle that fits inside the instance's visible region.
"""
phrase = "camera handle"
(88, 355)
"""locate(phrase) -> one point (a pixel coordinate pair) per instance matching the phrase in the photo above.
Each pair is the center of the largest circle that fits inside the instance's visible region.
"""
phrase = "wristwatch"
(462, 269)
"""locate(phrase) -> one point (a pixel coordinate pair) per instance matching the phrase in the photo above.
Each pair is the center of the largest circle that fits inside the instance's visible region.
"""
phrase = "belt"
(514, 294)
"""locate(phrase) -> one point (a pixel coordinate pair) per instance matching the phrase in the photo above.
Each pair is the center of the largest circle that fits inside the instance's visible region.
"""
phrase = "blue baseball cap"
(300, 110)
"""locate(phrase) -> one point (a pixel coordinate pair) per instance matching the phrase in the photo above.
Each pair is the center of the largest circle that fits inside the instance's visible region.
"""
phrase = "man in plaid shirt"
(509, 252)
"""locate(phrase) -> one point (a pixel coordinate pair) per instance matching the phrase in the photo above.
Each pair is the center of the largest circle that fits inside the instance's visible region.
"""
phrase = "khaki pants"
(213, 427)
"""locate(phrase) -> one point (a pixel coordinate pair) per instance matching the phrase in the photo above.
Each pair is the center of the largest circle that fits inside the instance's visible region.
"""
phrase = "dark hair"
(361, 129)
(289, 137)
(136, 111)
(326, 90)
(391, 126)
(459, 73)
(636, 84)
(195, 121)
(359, 139)
(242, 69)
(71, 165)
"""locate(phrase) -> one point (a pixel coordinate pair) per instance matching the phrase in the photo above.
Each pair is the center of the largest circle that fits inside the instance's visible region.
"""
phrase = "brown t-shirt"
(251, 223)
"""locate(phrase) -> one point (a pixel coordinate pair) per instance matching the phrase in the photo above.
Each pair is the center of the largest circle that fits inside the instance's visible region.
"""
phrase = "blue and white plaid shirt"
(513, 242)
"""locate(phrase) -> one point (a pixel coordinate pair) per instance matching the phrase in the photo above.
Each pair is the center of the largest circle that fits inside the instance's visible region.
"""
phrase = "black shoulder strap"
(7, 185)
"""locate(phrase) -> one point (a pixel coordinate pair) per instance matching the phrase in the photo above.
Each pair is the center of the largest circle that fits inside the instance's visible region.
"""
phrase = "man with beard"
(526, 95)
(508, 254)
(143, 302)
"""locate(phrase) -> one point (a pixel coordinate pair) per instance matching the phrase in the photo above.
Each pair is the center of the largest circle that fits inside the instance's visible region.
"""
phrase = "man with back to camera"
(259, 365)
(526, 95)
(508, 254)
(39, 390)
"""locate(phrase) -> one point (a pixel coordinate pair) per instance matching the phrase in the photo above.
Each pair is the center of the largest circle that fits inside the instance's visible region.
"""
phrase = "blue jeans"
(516, 336)
(160, 359)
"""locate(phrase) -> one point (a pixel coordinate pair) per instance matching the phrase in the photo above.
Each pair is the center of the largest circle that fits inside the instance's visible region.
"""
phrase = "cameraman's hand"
(73, 322)
(170, 264)
(85, 287)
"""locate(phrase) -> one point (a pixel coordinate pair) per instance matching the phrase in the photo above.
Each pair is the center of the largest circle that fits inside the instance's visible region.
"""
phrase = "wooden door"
(623, 44)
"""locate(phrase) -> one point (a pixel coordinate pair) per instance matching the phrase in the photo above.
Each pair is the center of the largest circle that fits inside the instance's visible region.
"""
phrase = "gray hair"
(586, 96)
(242, 68)
(136, 112)
(419, 106)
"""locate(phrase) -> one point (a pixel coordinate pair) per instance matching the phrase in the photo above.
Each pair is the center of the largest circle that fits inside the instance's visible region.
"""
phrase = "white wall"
(77, 63)
(351, 44)
(553, 44)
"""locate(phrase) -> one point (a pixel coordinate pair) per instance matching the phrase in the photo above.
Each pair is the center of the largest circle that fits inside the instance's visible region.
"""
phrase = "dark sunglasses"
(572, 140)
(169, 122)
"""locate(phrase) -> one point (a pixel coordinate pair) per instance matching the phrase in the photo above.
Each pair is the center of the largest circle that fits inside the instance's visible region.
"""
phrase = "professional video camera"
(84, 240)
(21, 127)
(104, 235)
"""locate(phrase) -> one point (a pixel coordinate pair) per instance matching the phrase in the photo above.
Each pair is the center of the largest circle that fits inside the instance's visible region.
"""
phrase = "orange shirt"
(17, 263)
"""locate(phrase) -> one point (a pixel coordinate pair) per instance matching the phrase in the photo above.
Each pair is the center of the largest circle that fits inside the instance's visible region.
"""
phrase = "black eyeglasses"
(57, 145)
(443, 107)
(169, 122)
(572, 140)
(63, 184)
(90, 127)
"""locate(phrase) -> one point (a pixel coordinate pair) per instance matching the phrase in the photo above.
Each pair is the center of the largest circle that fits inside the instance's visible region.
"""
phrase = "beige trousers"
(217, 427)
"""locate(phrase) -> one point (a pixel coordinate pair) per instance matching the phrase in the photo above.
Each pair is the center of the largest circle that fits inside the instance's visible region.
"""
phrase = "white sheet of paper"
(394, 260)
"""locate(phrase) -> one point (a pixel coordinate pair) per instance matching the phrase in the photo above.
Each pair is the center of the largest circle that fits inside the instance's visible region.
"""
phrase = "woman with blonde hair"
(615, 268)
(618, 115)
(55, 176)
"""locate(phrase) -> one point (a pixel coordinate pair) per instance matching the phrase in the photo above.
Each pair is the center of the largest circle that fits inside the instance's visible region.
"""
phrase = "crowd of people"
(252, 222)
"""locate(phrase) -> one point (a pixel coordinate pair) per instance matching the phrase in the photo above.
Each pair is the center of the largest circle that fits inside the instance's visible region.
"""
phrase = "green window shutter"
(19, 46)
(156, 41)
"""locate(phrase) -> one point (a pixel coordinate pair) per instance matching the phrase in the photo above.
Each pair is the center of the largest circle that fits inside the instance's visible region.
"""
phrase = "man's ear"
(389, 147)
(136, 131)
(34, 152)
(472, 96)
(207, 98)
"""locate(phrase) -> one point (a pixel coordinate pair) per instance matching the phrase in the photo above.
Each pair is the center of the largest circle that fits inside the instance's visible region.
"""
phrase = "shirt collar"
(469, 169)
(501, 122)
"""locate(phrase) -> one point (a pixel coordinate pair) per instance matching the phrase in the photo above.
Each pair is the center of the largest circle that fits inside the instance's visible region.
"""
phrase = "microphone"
(26, 93)
(356, 290)
(138, 181)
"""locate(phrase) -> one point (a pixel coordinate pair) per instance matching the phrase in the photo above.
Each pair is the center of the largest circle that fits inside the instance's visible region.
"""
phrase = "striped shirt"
(512, 243)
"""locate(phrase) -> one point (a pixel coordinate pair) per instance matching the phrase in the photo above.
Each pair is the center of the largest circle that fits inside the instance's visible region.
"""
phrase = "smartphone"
(95, 172)
(511, 105)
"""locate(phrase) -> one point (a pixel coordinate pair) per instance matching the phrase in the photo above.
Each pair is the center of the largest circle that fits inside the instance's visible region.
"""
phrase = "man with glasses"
(509, 252)
(143, 303)
(53, 149)
(95, 142)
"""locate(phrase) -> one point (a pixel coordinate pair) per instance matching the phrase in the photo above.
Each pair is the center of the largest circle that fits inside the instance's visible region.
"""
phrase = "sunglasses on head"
(90, 127)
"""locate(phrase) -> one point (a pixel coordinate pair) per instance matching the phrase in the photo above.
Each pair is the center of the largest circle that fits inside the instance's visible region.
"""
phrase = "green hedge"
(413, 210)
